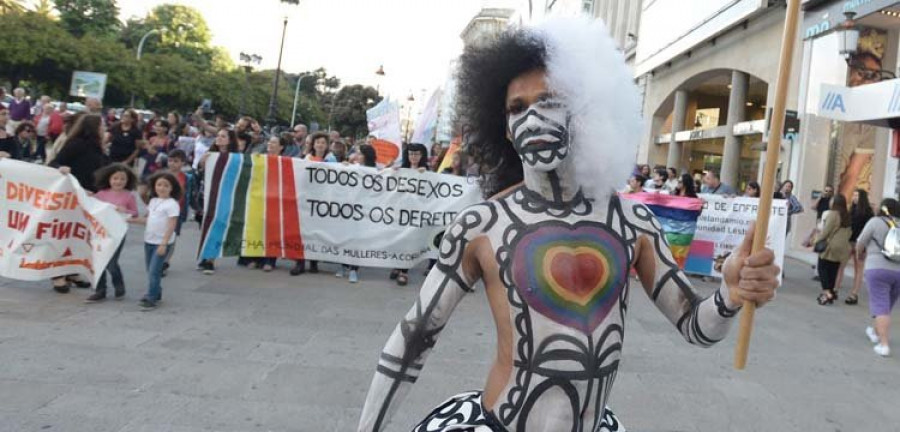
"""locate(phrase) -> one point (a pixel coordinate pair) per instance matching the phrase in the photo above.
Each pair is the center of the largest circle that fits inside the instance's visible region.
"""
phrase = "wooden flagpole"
(773, 150)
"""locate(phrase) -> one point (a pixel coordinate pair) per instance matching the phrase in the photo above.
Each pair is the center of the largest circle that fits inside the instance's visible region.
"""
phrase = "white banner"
(384, 124)
(721, 228)
(264, 206)
(427, 121)
(49, 226)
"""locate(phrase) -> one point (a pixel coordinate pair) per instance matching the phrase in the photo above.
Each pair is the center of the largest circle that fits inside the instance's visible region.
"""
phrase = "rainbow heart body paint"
(572, 274)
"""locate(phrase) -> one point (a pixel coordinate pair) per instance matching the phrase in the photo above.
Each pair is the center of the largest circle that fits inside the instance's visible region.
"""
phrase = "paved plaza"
(247, 351)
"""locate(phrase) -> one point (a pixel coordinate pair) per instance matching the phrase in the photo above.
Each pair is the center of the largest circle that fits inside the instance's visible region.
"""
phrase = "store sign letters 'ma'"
(834, 101)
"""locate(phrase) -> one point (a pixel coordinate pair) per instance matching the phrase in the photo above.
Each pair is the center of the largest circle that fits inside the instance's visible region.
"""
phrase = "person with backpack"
(833, 247)
(879, 245)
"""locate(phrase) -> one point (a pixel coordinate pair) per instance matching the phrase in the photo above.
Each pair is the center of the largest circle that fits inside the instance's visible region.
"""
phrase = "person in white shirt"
(162, 216)
(672, 182)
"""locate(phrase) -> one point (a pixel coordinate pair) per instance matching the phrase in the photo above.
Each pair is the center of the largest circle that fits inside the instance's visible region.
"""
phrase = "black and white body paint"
(563, 245)
(540, 134)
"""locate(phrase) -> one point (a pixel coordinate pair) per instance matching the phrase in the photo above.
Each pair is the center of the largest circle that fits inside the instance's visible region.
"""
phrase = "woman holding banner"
(415, 157)
(226, 142)
(81, 155)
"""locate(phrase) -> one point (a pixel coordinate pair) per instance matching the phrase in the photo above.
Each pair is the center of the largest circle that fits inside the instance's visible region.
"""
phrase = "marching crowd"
(845, 231)
(152, 171)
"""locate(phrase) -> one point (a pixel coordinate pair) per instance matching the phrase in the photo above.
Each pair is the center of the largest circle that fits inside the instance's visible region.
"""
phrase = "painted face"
(537, 123)
(829, 192)
(175, 165)
(163, 188)
(118, 180)
(273, 146)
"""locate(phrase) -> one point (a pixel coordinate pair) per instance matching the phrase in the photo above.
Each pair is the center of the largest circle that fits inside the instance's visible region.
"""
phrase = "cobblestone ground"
(246, 351)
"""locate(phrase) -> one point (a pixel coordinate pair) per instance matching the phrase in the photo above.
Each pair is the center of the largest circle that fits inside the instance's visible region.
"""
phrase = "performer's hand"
(64, 170)
(161, 250)
(749, 277)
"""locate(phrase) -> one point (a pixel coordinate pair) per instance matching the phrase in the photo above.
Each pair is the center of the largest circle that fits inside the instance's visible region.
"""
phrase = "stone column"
(731, 153)
(678, 118)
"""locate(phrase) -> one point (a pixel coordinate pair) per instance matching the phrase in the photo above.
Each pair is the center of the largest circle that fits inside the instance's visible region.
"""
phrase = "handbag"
(820, 246)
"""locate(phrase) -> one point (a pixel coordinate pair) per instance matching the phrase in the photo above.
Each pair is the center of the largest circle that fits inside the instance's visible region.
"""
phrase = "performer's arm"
(701, 321)
(403, 356)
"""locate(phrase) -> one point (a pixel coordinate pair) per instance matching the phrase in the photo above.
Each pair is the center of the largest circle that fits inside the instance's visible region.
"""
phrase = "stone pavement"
(248, 351)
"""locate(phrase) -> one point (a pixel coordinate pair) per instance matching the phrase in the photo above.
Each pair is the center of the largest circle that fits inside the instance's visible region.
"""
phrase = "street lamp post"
(379, 76)
(273, 103)
(140, 49)
(296, 96)
(247, 60)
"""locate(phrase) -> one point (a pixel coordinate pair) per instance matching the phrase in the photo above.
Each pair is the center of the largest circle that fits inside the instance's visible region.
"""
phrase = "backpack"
(891, 245)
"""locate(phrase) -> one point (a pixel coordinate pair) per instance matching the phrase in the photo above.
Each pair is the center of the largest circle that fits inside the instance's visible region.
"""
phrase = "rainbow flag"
(678, 217)
(252, 208)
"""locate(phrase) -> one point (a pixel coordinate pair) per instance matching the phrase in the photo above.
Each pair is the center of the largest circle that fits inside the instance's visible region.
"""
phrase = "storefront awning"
(874, 104)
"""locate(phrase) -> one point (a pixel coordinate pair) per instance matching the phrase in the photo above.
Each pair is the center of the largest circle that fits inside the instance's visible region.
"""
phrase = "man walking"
(713, 185)
(19, 110)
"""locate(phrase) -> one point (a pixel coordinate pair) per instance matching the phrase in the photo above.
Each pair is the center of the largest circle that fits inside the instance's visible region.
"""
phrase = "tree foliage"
(348, 114)
(81, 17)
(11, 6)
(182, 31)
(41, 53)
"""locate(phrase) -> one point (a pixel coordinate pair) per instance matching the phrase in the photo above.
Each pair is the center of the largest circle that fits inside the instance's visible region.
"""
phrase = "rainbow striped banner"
(281, 207)
(252, 208)
(678, 217)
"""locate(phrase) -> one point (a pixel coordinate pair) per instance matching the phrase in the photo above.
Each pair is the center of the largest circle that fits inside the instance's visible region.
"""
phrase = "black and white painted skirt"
(464, 413)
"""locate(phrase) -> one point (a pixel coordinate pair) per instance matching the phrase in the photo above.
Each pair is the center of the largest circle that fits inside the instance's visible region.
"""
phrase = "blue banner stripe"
(678, 227)
(213, 247)
(675, 214)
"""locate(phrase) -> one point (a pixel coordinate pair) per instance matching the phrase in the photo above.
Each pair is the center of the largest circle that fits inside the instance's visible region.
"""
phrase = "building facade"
(848, 102)
(708, 74)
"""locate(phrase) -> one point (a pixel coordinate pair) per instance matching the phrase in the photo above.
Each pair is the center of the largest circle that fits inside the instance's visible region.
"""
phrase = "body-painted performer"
(554, 120)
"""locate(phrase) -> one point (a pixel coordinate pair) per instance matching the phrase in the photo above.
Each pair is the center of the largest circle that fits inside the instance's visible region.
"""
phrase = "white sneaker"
(870, 332)
(354, 276)
(882, 350)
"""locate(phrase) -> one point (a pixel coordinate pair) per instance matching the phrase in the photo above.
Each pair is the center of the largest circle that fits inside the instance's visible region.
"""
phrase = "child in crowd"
(162, 217)
(115, 184)
(177, 161)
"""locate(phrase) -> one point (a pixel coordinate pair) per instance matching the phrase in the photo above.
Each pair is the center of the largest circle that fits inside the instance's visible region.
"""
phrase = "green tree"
(11, 6)
(81, 17)
(37, 49)
(348, 114)
(44, 8)
(183, 32)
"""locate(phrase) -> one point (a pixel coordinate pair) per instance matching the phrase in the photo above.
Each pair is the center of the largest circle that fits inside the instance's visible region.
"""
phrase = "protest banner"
(383, 121)
(721, 228)
(50, 227)
(270, 206)
(427, 121)
(678, 218)
(455, 145)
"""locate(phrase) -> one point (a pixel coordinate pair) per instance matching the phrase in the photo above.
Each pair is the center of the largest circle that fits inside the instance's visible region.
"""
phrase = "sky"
(415, 40)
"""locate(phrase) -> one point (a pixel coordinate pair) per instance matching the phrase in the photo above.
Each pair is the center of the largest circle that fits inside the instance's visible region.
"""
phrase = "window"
(587, 6)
